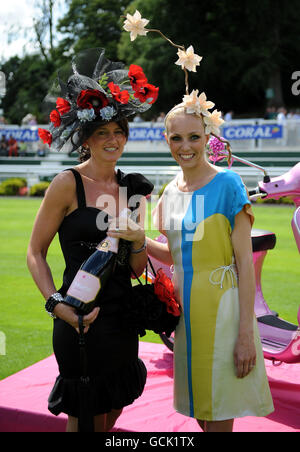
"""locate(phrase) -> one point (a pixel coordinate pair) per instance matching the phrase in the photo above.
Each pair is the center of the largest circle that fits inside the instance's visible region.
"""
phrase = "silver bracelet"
(52, 302)
(140, 249)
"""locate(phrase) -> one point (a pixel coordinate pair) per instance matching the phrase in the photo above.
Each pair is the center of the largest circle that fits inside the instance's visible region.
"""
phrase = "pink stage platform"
(23, 400)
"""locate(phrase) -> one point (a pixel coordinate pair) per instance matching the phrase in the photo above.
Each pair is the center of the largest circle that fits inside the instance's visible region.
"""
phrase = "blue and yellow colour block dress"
(198, 226)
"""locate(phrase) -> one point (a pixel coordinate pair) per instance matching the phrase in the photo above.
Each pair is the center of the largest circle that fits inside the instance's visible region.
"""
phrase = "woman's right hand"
(69, 315)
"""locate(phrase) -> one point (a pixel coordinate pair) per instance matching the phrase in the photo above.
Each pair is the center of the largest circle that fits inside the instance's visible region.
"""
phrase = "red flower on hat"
(92, 98)
(55, 118)
(137, 77)
(62, 106)
(147, 92)
(118, 95)
(45, 136)
(164, 289)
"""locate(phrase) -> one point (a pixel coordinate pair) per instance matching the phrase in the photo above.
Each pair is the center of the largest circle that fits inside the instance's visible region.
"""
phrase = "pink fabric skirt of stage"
(23, 400)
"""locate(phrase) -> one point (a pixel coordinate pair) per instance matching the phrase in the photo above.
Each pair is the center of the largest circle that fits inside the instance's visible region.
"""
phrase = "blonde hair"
(180, 108)
(177, 109)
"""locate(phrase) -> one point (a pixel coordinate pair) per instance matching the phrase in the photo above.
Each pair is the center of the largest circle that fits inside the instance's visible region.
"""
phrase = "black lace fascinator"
(93, 90)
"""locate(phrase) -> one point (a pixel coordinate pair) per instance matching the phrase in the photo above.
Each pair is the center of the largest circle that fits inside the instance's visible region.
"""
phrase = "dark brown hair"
(90, 128)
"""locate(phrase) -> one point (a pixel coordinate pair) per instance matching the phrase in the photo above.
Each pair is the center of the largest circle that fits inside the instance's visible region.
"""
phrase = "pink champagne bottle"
(93, 274)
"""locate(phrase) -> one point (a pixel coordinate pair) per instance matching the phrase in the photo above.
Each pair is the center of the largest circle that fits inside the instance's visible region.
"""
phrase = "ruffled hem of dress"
(102, 393)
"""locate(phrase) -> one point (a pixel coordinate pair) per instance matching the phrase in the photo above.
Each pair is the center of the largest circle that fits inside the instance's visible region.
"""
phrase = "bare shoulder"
(65, 178)
(57, 202)
(63, 181)
(62, 189)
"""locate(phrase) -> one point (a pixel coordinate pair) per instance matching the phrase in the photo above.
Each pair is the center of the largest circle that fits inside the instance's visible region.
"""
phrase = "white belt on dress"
(225, 268)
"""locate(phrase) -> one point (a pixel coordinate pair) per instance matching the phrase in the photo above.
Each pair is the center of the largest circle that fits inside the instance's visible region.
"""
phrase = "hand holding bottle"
(127, 229)
(94, 274)
(70, 315)
(132, 233)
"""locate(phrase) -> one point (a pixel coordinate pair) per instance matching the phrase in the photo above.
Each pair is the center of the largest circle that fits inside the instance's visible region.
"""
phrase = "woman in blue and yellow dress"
(206, 215)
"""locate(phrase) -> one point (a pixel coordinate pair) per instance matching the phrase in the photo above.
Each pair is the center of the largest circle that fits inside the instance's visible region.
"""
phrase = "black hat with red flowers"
(93, 90)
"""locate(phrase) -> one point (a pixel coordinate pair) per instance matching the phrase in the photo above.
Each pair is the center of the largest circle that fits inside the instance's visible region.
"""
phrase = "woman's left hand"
(127, 229)
(244, 355)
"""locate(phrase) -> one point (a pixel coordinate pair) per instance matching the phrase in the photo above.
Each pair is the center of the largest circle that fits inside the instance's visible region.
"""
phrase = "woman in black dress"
(72, 206)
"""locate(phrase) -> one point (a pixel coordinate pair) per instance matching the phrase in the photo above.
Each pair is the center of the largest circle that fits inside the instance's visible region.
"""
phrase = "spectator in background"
(297, 114)
(137, 118)
(281, 116)
(161, 117)
(281, 120)
(229, 115)
(33, 121)
(3, 147)
(293, 114)
(12, 147)
(23, 149)
(41, 152)
(271, 113)
(29, 120)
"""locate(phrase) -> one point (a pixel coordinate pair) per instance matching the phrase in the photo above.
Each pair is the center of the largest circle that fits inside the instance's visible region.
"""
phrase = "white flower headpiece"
(188, 60)
(135, 25)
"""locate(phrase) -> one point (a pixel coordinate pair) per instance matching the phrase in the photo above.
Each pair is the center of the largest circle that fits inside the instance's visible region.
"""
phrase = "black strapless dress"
(117, 375)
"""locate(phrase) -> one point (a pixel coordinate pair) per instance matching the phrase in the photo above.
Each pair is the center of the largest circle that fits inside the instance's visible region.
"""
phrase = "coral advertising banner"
(250, 132)
(232, 132)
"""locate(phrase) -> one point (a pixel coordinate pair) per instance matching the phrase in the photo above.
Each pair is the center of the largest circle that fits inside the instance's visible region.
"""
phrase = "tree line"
(250, 50)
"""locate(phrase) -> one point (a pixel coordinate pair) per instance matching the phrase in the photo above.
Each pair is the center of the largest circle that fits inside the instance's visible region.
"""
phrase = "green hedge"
(283, 200)
(12, 186)
(39, 189)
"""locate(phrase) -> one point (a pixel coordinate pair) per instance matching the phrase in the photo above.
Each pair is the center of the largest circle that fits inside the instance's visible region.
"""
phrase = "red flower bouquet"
(149, 92)
(92, 98)
(152, 306)
(45, 136)
(164, 289)
(137, 77)
(118, 95)
(63, 106)
(55, 118)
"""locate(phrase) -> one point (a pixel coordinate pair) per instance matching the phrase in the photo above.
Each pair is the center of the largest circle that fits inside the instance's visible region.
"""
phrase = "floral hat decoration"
(93, 89)
(193, 103)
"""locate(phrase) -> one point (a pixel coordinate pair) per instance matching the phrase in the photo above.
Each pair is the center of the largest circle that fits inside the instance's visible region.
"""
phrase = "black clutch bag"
(152, 306)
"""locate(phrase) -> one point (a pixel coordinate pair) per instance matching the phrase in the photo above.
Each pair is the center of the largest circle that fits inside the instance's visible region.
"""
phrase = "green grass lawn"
(27, 327)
